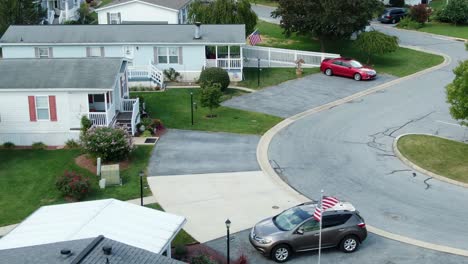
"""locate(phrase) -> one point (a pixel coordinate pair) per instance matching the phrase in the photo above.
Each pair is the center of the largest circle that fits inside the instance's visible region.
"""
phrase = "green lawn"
(438, 4)
(271, 76)
(460, 31)
(442, 156)
(173, 108)
(27, 180)
(400, 63)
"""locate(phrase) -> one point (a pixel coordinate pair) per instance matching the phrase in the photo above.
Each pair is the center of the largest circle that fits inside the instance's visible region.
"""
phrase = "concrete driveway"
(295, 96)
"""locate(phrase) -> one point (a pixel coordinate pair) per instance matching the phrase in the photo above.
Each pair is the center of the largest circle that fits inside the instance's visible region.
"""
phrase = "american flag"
(255, 38)
(327, 202)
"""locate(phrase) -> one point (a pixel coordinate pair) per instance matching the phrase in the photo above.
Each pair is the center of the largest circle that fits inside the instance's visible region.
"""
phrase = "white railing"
(62, 17)
(148, 72)
(226, 64)
(110, 112)
(156, 74)
(135, 115)
(51, 17)
(127, 105)
(273, 57)
(98, 119)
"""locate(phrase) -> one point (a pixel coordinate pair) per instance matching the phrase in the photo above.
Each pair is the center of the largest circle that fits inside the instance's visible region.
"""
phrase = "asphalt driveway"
(180, 152)
(295, 96)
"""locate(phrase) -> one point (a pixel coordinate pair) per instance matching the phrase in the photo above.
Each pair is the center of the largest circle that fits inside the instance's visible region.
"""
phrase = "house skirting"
(48, 138)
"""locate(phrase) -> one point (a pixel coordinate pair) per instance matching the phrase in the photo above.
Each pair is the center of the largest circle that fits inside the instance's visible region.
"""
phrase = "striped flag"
(255, 38)
(327, 202)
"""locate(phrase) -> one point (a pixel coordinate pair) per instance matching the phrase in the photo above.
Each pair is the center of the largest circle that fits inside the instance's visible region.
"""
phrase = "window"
(311, 225)
(42, 107)
(94, 52)
(168, 55)
(338, 63)
(114, 18)
(98, 98)
(335, 220)
(43, 52)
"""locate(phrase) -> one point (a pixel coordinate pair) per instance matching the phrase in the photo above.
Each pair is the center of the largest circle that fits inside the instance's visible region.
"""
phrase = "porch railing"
(146, 72)
(226, 64)
(135, 114)
(98, 119)
(127, 105)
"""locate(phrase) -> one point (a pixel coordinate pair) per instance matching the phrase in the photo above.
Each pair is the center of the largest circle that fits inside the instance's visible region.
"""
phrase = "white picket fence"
(274, 57)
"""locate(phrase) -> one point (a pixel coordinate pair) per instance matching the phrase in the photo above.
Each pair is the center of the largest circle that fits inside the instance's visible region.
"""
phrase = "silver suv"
(295, 230)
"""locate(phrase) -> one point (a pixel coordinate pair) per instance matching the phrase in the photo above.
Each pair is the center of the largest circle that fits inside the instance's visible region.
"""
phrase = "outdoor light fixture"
(228, 225)
(142, 174)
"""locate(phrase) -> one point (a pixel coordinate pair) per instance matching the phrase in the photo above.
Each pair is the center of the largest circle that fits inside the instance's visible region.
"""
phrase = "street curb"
(419, 169)
(265, 140)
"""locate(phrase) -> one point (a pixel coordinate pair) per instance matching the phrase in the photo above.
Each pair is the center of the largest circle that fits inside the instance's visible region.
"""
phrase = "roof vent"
(65, 252)
(197, 30)
(107, 250)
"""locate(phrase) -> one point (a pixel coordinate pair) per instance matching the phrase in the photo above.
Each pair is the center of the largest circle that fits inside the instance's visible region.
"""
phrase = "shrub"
(242, 259)
(72, 144)
(73, 185)
(214, 75)
(85, 124)
(110, 144)
(146, 133)
(375, 42)
(397, 3)
(210, 97)
(8, 145)
(180, 250)
(202, 259)
(409, 23)
(38, 145)
(456, 12)
(420, 13)
(171, 74)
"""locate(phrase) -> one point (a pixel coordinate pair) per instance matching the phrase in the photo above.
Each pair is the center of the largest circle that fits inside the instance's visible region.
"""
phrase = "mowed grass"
(400, 63)
(442, 156)
(27, 180)
(173, 108)
(271, 76)
(459, 31)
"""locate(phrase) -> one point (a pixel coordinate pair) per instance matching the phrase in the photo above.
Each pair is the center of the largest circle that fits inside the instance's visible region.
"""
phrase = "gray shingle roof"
(50, 254)
(83, 73)
(154, 34)
(173, 4)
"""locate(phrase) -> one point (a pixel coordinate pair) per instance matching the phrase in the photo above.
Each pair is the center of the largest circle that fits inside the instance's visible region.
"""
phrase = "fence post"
(295, 56)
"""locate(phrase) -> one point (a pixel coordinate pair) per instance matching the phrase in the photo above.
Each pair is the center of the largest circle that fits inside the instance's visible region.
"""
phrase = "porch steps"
(124, 120)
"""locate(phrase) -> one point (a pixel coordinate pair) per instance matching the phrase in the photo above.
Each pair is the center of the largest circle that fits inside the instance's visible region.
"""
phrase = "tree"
(211, 97)
(326, 19)
(375, 42)
(397, 3)
(223, 12)
(456, 12)
(85, 14)
(214, 75)
(457, 93)
(20, 12)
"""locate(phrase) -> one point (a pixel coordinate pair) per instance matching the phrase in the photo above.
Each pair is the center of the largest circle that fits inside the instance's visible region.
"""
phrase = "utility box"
(111, 173)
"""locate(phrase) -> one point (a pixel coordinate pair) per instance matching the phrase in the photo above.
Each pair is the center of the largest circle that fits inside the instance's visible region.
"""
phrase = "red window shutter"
(53, 108)
(90, 98)
(32, 108)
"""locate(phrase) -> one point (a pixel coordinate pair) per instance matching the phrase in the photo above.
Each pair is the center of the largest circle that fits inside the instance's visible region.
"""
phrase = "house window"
(168, 55)
(43, 52)
(98, 98)
(114, 18)
(42, 107)
(95, 52)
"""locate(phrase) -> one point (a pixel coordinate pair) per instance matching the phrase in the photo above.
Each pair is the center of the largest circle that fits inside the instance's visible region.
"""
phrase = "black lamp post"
(228, 224)
(191, 105)
(258, 73)
(142, 174)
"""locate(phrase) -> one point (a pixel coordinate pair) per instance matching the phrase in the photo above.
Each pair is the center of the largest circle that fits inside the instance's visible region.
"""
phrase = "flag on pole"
(255, 38)
(327, 202)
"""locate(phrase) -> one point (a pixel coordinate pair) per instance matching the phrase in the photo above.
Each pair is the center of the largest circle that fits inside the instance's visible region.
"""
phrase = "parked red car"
(347, 67)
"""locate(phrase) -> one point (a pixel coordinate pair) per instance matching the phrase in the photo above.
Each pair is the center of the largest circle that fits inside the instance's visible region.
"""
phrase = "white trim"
(131, 2)
(36, 108)
(125, 43)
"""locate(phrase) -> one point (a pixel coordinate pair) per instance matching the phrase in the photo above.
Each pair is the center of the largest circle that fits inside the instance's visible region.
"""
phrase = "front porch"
(226, 57)
(59, 11)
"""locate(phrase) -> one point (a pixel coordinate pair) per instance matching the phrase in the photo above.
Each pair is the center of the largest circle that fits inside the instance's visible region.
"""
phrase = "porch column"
(105, 106)
(241, 58)
(216, 56)
(66, 10)
(168, 251)
(229, 58)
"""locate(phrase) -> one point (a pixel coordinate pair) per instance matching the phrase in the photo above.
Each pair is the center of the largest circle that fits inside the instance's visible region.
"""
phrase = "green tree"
(210, 97)
(223, 12)
(20, 12)
(326, 19)
(85, 14)
(456, 12)
(457, 93)
(375, 42)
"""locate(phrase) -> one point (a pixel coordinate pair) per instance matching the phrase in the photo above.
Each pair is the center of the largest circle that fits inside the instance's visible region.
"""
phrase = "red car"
(347, 67)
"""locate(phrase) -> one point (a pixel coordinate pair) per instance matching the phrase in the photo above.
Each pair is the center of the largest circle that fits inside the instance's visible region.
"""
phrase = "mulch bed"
(89, 164)
(200, 249)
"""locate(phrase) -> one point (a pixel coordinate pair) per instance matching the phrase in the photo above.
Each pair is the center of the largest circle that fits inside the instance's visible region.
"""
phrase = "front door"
(308, 236)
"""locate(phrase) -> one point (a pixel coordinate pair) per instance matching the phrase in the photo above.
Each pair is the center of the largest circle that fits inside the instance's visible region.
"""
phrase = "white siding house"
(48, 105)
(409, 2)
(59, 11)
(134, 11)
(149, 49)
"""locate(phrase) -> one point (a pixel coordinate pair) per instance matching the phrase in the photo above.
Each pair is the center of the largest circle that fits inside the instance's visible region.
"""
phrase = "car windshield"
(355, 64)
(290, 218)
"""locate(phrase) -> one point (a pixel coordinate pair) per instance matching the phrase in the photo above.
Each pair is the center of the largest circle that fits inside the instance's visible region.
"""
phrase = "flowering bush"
(73, 185)
(110, 144)
(420, 13)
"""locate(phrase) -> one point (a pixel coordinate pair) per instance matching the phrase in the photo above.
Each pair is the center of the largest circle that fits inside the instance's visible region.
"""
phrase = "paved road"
(181, 152)
(347, 151)
(295, 96)
(374, 250)
(264, 13)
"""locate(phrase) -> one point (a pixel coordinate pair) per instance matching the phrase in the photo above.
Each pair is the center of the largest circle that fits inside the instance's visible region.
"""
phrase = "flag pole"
(320, 232)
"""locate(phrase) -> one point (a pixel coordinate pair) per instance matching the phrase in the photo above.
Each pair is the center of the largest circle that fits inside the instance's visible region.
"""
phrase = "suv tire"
(349, 244)
(281, 253)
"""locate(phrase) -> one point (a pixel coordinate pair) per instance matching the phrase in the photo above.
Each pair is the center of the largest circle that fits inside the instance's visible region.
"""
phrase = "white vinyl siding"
(42, 107)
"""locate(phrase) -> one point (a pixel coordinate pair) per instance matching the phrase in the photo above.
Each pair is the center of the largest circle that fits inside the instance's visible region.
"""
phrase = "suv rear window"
(335, 220)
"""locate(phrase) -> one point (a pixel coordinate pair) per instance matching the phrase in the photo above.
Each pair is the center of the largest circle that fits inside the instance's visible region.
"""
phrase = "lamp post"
(258, 72)
(228, 224)
(142, 174)
(191, 105)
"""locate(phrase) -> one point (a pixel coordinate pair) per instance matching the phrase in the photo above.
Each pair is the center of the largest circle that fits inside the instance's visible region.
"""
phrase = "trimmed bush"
(86, 124)
(420, 13)
(72, 144)
(147, 133)
(408, 23)
(38, 145)
(110, 144)
(171, 74)
(397, 3)
(8, 145)
(74, 185)
(456, 12)
(214, 75)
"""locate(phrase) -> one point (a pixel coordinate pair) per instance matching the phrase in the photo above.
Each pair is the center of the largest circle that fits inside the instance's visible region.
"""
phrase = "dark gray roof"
(82, 34)
(50, 254)
(83, 73)
(173, 4)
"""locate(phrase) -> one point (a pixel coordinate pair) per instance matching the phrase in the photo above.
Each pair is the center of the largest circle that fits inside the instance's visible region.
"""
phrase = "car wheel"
(357, 77)
(349, 244)
(328, 72)
(393, 21)
(281, 253)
